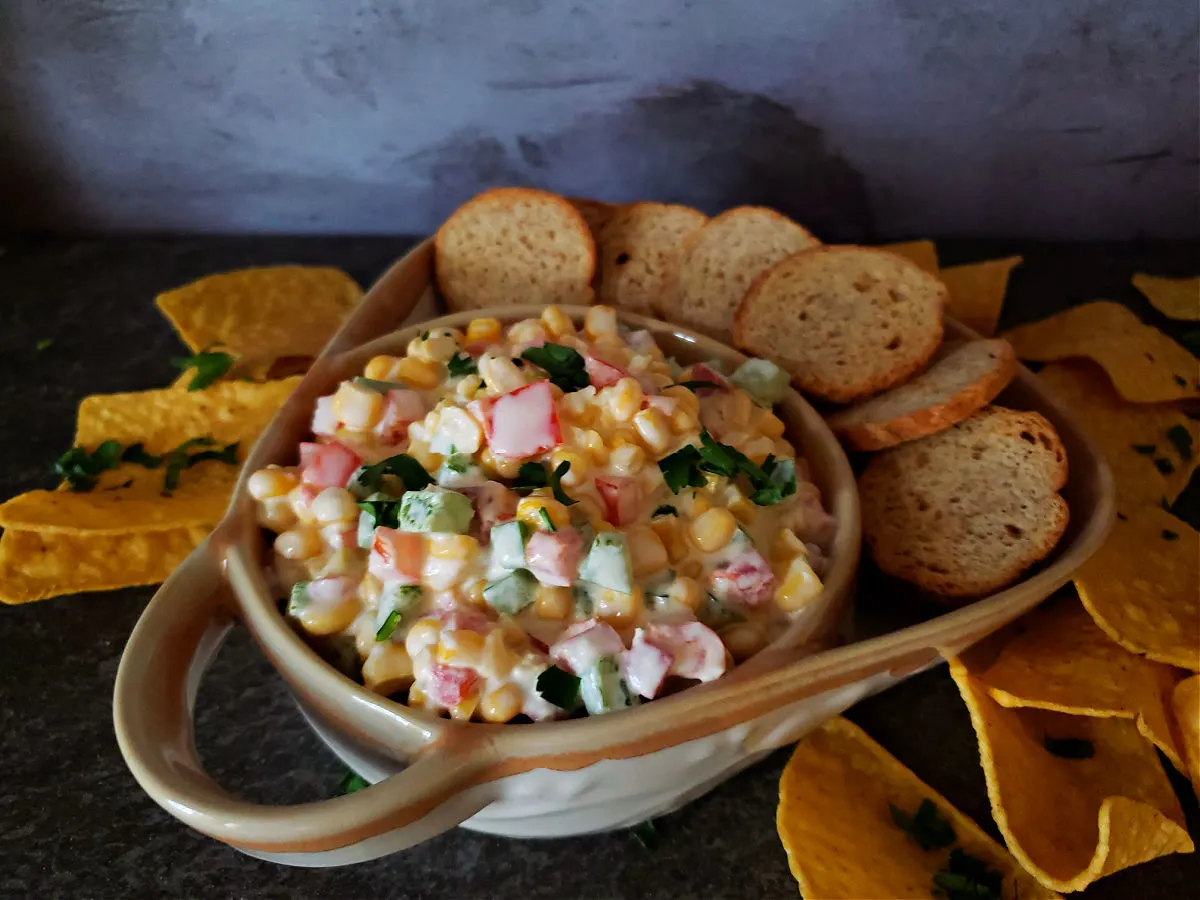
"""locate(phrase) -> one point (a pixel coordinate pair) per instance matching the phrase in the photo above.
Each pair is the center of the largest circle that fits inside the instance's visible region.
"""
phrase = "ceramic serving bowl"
(530, 780)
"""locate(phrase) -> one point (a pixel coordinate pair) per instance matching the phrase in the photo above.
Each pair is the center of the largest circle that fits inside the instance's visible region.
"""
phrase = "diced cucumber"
(762, 380)
(512, 593)
(607, 563)
(716, 614)
(396, 601)
(374, 384)
(508, 544)
(435, 509)
(366, 530)
(299, 598)
(602, 688)
(460, 470)
(585, 604)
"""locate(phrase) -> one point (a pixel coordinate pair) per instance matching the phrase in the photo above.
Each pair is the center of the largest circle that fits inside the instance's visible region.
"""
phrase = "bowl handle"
(172, 643)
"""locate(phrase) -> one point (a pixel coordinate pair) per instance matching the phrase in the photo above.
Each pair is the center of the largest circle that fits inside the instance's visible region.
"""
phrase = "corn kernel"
(369, 590)
(713, 529)
(388, 668)
(334, 504)
(738, 408)
(557, 322)
(276, 514)
(514, 636)
(668, 530)
(419, 450)
(419, 373)
(529, 512)
(416, 697)
(800, 587)
(453, 546)
(483, 331)
(785, 546)
(596, 447)
(468, 387)
(501, 705)
(271, 482)
(423, 635)
(739, 504)
(686, 592)
(577, 474)
(661, 380)
(692, 568)
(684, 398)
(653, 429)
(684, 421)
(463, 711)
(527, 331)
(617, 608)
(357, 408)
(472, 591)
(498, 467)
(439, 347)
(329, 617)
(497, 659)
(381, 368)
(697, 504)
(758, 449)
(299, 543)
(743, 640)
(460, 647)
(600, 320)
(364, 634)
(500, 373)
(553, 602)
(647, 552)
(770, 425)
(623, 399)
(627, 459)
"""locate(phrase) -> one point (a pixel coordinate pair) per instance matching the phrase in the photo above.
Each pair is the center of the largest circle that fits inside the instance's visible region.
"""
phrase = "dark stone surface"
(73, 823)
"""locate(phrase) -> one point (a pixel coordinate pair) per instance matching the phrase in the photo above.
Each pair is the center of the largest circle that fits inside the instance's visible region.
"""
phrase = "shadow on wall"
(703, 144)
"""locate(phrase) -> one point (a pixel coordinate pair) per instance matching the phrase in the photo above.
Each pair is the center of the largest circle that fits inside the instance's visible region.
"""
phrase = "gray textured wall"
(882, 118)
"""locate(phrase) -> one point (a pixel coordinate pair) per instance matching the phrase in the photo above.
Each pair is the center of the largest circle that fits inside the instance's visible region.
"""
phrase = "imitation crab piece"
(705, 372)
(402, 409)
(747, 580)
(522, 423)
(494, 503)
(602, 374)
(324, 422)
(450, 685)
(554, 558)
(396, 555)
(622, 498)
(697, 651)
(645, 665)
(583, 644)
(329, 465)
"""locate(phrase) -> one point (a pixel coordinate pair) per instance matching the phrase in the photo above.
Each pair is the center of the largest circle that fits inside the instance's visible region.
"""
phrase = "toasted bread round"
(964, 512)
(511, 246)
(720, 261)
(963, 378)
(846, 322)
(595, 212)
(639, 247)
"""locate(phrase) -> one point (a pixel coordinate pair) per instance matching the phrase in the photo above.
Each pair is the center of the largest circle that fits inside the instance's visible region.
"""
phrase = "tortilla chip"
(1186, 703)
(227, 411)
(1144, 364)
(977, 292)
(262, 314)
(36, 565)
(836, 824)
(923, 253)
(1141, 440)
(1141, 586)
(1097, 802)
(1178, 298)
(1057, 658)
(135, 503)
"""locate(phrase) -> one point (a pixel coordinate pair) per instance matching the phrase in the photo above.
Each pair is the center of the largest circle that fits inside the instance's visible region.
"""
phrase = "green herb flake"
(81, 469)
(682, 469)
(1164, 465)
(530, 477)
(403, 466)
(461, 364)
(546, 520)
(664, 510)
(1169, 535)
(209, 365)
(926, 826)
(1182, 439)
(383, 513)
(389, 625)
(556, 487)
(44, 344)
(352, 782)
(1144, 449)
(136, 453)
(966, 877)
(564, 365)
(646, 834)
(1069, 748)
(559, 687)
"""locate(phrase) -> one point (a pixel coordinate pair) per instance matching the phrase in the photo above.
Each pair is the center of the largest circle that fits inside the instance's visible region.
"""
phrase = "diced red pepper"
(308, 452)
(553, 558)
(450, 685)
(396, 555)
(622, 498)
(523, 423)
(747, 580)
(331, 465)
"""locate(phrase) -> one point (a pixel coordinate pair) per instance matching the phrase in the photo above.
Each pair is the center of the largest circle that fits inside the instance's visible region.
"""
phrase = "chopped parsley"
(80, 469)
(403, 466)
(461, 364)
(682, 469)
(781, 481)
(1182, 439)
(179, 459)
(772, 481)
(352, 782)
(209, 365)
(1069, 748)
(664, 510)
(564, 365)
(458, 463)
(136, 453)
(926, 826)
(967, 877)
(532, 476)
(546, 520)
(559, 687)
(383, 513)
